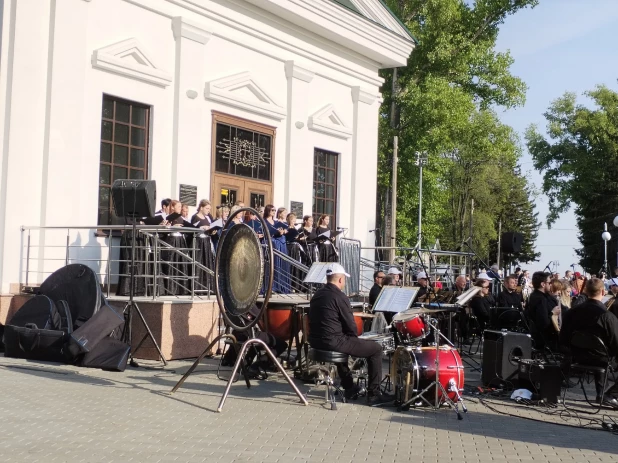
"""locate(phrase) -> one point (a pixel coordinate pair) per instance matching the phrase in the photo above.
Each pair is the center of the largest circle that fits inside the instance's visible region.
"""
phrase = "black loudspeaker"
(502, 351)
(511, 242)
(543, 379)
(134, 198)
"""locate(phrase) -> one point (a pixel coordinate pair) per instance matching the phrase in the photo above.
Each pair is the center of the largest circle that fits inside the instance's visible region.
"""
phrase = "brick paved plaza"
(58, 413)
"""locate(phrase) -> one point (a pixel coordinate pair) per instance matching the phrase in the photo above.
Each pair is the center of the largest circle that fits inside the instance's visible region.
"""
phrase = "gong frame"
(269, 254)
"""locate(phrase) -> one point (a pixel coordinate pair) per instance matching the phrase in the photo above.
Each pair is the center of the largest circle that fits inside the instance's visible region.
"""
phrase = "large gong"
(239, 271)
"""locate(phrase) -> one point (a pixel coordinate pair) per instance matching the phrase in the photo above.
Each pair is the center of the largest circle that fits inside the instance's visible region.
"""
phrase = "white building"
(178, 91)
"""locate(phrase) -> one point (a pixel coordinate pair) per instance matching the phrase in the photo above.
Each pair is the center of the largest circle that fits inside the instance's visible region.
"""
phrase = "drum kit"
(424, 370)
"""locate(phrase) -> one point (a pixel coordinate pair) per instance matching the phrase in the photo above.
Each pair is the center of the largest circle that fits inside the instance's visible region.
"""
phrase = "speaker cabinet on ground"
(543, 379)
(502, 351)
(134, 198)
(511, 242)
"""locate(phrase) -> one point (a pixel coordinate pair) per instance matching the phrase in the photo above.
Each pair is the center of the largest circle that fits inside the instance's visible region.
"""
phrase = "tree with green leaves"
(444, 102)
(579, 162)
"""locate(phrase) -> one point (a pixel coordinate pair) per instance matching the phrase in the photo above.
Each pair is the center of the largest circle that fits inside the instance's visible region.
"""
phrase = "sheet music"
(395, 299)
(326, 234)
(217, 223)
(606, 298)
(316, 273)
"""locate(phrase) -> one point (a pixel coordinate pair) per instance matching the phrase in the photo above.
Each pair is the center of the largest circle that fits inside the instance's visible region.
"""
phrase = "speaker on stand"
(134, 199)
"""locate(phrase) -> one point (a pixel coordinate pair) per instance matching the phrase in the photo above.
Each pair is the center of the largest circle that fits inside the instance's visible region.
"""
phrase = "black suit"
(332, 327)
(539, 311)
(592, 317)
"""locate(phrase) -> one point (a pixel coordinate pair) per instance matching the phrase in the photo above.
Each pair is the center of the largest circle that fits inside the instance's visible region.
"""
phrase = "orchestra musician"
(423, 282)
(482, 301)
(326, 246)
(509, 297)
(332, 327)
(592, 317)
(395, 274)
(541, 306)
(612, 302)
(374, 292)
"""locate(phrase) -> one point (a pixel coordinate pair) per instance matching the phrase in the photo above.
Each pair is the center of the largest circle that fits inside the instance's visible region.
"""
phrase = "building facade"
(265, 101)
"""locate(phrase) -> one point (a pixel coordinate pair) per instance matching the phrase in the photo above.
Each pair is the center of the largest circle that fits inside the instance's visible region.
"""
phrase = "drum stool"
(329, 359)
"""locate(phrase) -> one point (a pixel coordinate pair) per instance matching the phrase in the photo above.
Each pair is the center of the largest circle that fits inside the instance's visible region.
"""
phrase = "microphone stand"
(547, 267)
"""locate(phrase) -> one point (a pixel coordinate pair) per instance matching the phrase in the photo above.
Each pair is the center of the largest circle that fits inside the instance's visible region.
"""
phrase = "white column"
(298, 153)
(25, 60)
(191, 151)
(364, 165)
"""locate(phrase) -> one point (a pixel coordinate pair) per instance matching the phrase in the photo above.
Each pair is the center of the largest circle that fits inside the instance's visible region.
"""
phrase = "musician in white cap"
(423, 282)
(332, 328)
(395, 275)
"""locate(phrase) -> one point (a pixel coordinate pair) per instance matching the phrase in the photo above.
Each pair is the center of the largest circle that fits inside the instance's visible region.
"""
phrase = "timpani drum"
(279, 320)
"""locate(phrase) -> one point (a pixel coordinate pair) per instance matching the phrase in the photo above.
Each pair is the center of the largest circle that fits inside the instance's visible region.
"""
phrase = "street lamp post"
(606, 237)
(616, 225)
(421, 160)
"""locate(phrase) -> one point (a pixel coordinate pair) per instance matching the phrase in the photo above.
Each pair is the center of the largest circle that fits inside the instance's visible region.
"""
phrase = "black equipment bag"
(79, 285)
(32, 343)
(39, 311)
(109, 354)
(85, 338)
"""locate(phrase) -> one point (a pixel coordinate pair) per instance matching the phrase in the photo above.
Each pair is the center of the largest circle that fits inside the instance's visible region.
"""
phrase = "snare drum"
(411, 326)
(385, 340)
(414, 368)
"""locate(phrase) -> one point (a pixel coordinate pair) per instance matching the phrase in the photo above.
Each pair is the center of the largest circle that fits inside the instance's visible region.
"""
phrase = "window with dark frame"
(325, 185)
(124, 150)
(243, 152)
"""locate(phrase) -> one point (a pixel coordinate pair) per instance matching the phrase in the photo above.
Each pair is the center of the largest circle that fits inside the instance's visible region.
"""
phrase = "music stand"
(317, 273)
(395, 299)
(135, 199)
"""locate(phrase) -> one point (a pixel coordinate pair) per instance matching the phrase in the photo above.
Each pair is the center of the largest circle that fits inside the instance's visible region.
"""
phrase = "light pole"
(421, 160)
(616, 225)
(606, 237)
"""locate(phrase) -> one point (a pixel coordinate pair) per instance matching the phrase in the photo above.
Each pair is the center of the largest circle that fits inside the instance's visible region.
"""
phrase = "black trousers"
(276, 345)
(362, 348)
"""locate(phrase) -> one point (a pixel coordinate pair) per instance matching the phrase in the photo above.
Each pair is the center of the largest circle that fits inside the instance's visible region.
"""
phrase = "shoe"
(608, 401)
(378, 399)
(351, 393)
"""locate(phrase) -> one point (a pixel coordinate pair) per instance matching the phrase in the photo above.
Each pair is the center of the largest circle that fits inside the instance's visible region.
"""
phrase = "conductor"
(332, 327)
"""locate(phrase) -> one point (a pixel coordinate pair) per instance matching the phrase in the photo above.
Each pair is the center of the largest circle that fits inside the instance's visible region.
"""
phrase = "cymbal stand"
(452, 387)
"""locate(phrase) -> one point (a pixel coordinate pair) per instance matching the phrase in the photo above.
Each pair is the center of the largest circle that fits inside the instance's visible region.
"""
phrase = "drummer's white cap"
(394, 271)
(421, 275)
(335, 269)
(613, 282)
(484, 276)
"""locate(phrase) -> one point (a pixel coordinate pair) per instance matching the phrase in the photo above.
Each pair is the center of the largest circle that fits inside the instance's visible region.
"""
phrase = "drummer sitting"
(332, 327)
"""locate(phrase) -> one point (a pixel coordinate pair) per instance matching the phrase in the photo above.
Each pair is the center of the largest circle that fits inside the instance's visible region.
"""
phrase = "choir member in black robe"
(326, 246)
(307, 237)
(173, 266)
(295, 251)
(205, 252)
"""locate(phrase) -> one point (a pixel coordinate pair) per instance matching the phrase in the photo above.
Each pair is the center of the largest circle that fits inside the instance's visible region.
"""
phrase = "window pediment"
(243, 91)
(131, 59)
(327, 121)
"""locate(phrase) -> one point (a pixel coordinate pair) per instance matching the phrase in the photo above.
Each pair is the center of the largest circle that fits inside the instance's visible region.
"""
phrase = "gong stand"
(239, 273)
(453, 387)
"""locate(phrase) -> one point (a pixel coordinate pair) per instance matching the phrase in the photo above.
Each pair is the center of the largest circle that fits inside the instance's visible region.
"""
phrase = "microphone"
(375, 230)
(341, 228)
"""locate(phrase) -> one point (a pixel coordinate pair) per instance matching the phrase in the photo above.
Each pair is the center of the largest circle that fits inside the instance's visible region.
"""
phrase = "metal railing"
(164, 266)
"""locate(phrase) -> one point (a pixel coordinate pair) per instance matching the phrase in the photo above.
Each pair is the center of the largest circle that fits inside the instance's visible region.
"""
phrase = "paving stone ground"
(59, 413)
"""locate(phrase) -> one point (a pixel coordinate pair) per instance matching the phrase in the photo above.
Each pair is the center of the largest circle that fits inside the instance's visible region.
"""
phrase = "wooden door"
(257, 194)
(227, 190)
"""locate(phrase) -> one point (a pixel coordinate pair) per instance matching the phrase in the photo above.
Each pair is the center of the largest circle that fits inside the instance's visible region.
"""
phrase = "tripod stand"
(132, 305)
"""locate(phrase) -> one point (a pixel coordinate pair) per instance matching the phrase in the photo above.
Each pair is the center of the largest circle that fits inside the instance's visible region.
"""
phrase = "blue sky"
(561, 45)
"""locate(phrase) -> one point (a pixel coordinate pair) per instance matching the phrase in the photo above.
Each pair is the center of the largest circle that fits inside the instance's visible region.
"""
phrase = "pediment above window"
(131, 59)
(327, 121)
(244, 92)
